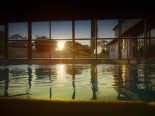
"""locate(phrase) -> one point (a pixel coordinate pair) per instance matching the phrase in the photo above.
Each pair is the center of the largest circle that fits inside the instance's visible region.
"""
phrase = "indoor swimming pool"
(79, 81)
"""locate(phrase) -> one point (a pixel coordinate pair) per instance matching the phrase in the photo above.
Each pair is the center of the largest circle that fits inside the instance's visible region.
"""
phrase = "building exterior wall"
(129, 47)
(129, 23)
(124, 49)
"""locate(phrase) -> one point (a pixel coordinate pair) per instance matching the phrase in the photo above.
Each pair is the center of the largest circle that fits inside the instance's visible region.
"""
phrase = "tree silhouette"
(104, 46)
(42, 43)
(78, 48)
(17, 44)
(17, 37)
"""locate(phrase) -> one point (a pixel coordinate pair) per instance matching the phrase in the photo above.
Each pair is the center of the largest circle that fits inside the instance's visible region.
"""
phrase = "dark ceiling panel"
(76, 9)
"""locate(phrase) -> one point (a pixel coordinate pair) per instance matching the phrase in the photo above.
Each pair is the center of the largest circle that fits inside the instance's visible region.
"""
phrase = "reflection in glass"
(61, 30)
(2, 43)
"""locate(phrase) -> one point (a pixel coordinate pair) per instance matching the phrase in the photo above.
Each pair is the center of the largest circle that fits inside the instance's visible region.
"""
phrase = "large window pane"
(85, 43)
(41, 48)
(152, 46)
(41, 44)
(61, 29)
(105, 28)
(2, 43)
(17, 49)
(83, 29)
(153, 32)
(84, 49)
(62, 49)
(18, 31)
(17, 44)
(40, 29)
(107, 48)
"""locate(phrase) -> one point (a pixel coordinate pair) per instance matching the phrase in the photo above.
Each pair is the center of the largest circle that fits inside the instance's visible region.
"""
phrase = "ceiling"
(38, 10)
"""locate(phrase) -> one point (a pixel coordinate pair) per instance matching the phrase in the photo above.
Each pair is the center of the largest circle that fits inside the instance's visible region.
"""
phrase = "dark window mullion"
(96, 38)
(6, 41)
(73, 38)
(50, 38)
(29, 40)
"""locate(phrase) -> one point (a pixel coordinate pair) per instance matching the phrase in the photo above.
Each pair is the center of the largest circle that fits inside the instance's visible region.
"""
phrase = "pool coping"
(76, 61)
(40, 107)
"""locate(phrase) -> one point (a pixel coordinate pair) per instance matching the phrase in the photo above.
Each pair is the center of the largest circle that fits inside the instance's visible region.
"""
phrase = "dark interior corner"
(77, 9)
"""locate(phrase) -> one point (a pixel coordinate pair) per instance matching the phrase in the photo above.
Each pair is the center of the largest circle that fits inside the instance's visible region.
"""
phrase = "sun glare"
(60, 45)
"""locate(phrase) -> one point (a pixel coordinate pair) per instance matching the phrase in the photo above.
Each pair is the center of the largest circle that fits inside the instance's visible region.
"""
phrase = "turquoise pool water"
(79, 81)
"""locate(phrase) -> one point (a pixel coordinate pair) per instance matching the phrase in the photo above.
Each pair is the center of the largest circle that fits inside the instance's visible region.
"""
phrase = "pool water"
(79, 81)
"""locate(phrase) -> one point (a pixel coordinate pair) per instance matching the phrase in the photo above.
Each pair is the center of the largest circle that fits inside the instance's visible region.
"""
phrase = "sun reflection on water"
(61, 72)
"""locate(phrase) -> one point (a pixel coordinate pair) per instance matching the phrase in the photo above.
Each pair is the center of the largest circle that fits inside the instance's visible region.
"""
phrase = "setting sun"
(60, 45)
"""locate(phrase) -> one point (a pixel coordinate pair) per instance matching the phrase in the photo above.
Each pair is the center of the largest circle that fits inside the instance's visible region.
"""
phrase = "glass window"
(84, 49)
(152, 44)
(61, 30)
(41, 44)
(18, 44)
(40, 30)
(105, 28)
(18, 31)
(85, 42)
(62, 49)
(17, 49)
(107, 48)
(153, 32)
(83, 29)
